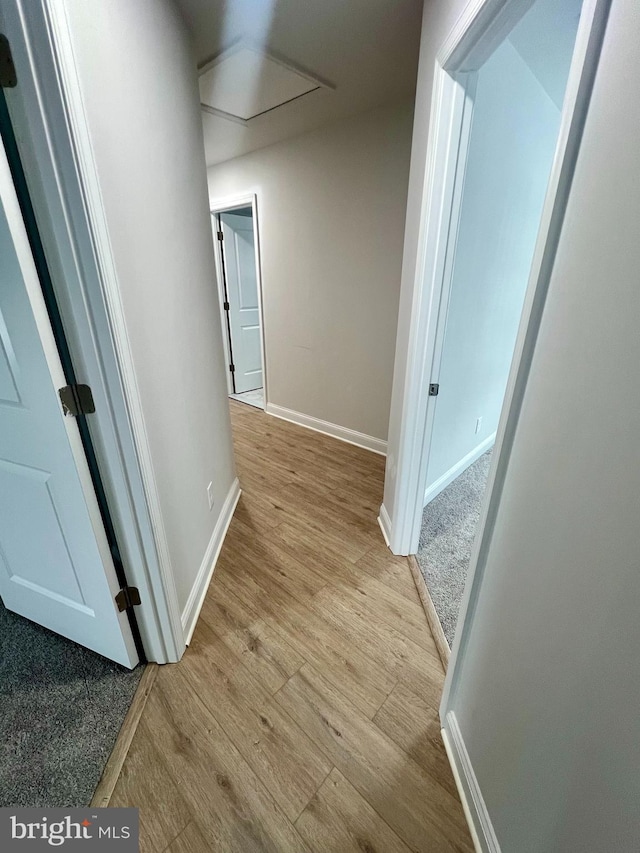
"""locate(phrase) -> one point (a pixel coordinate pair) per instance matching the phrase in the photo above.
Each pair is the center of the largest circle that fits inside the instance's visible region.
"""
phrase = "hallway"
(303, 716)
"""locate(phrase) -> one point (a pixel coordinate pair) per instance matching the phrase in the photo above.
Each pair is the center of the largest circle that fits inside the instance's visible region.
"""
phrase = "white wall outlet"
(478, 425)
(210, 495)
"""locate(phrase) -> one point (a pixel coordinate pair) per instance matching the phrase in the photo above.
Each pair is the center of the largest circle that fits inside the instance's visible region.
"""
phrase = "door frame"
(582, 73)
(47, 113)
(227, 205)
(482, 26)
(480, 29)
(41, 310)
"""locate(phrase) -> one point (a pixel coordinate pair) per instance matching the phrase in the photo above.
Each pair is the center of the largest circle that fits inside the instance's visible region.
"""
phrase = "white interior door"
(55, 562)
(242, 293)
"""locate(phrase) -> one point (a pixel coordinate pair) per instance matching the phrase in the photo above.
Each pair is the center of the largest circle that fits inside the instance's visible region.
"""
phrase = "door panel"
(242, 292)
(55, 564)
(26, 492)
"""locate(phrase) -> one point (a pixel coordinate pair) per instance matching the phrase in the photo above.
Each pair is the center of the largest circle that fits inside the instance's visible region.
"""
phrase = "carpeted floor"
(449, 527)
(61, 707)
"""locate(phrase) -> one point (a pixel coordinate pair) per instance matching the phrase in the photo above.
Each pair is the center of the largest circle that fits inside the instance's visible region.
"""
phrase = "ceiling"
(366, 49)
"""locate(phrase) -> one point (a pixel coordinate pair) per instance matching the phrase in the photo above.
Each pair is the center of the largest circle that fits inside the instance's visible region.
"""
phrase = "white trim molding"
(584, 63)
(351, 436)
(385, 524)
(475, 808)
(201, 584)
(449, 476)
(407, 465)
(479, 29)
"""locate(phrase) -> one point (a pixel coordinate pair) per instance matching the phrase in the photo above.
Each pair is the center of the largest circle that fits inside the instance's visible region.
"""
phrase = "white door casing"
(55, 563)
(478, 31)
(242, 293)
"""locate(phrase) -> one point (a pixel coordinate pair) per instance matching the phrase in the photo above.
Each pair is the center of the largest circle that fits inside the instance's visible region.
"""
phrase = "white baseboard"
(360, 439)
(475, 809)
(203, 578)
(385, 524)
(457, 469)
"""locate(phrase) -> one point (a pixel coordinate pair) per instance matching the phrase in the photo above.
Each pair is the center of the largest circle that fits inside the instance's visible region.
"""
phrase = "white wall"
(141, 98)
(513, 137)
(549, 688)
(331, 207)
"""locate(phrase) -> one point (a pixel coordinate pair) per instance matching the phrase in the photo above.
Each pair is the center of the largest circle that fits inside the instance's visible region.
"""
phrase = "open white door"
(55, 563)
(242, 294)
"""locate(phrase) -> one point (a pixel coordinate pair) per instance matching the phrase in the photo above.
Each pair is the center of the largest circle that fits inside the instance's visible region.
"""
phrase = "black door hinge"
(434, 389)
(8, 77)
(127, 597)
(77, 400)
(232, 368)
(220, 235)
(225, 305)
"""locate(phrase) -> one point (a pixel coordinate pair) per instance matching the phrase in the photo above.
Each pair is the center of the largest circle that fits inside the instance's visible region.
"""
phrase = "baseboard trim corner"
(475, 809)
(205, 572)
(351, 436)
(430, 612)
(385, 525)
(449, 476)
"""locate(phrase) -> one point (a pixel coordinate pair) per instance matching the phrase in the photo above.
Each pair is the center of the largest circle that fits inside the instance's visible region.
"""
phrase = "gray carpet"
(449, 527)
(61, 707)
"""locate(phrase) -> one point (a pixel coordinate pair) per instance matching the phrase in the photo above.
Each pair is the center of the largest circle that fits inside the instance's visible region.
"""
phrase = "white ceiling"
(367, 49)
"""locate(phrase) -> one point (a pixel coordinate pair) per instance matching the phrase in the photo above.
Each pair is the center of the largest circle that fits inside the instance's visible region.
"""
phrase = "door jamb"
(47, 111)
(223, 205)
(582, 72)
(480, 29)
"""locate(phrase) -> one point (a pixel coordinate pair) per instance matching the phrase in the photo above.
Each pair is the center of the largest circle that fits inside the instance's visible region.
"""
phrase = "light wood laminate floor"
(303, 716)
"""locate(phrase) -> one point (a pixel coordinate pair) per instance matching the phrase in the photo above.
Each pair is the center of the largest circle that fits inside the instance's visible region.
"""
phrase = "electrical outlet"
(478, 425)
(210, 495)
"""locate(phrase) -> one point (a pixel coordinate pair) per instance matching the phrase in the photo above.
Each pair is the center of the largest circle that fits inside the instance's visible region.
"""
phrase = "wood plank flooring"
(303, 716)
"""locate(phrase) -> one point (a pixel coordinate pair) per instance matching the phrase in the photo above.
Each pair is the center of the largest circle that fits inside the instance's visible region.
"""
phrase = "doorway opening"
(235, 228)
(508, 104)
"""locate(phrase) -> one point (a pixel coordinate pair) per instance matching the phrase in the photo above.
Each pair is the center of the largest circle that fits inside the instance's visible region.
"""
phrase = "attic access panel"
(245, 82)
